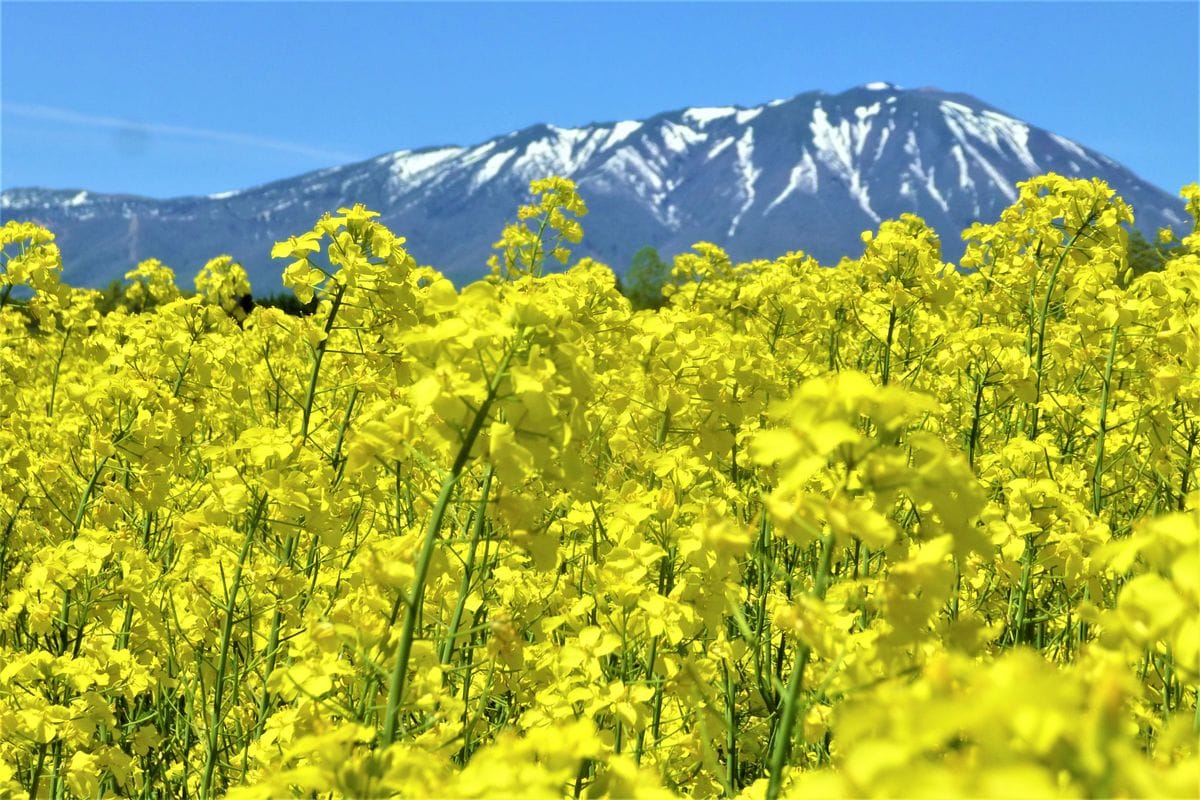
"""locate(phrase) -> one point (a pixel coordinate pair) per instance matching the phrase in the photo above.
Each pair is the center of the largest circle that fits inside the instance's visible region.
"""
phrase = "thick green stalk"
(214, 724)
(1102, 425)
(1018, 624)
(782, 745)
(731, 761)
(1186, 470)
(468, 569)
(639, 748)
(973, 441)
(887, 352)
(56, 771)
(37, 768)
(412, 610)
(264, 704)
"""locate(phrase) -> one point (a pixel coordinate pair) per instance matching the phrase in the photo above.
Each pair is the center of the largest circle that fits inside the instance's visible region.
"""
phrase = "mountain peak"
(809, 172)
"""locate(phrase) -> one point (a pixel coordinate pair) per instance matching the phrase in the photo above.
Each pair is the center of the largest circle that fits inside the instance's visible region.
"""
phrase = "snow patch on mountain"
(409, 169)
(931, 186)
(835, 148)
(964, 173)
(803, 178)
(862, 125)
(748, 173)
(491, 168)
(620, 132)
(475, 154)
(672, 218)
(719, 148)
(678, 137)
(997, 179)
(583, 144)
(560, 153)
(654, 150)
(747, 114)
(405, 164)
(703, 116)
(628, 167)
(917, 167)
(998, 130)
(1071, 147)
(884, 135)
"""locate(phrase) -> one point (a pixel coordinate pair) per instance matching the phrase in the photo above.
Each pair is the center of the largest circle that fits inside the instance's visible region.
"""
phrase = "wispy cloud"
(119, 124)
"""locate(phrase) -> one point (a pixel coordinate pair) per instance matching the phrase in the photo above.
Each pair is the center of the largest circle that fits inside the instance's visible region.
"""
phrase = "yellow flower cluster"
(890, 528)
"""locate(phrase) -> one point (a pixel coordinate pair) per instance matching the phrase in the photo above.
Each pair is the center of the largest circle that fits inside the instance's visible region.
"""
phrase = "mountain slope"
(807, 173)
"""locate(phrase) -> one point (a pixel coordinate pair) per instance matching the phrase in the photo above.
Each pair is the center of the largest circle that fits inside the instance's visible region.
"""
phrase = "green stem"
(782, 745)
(80, 511)
(641, 738)
(1186, 471)
(214, 724)
(412, 610)
(731, 762)
(468, 569)
(8, 529)
(62, 351)
(86, 497)
(1102, 425)
(318, 357)
(469, 724)
(56, 771)
(264, 704)
(973, 442)
(337, 462)
(1045, 312)
(37, 768)
(887, 353)
(1018, 623)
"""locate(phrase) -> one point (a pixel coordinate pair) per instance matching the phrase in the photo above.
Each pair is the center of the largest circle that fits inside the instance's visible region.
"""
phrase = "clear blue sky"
(191, 98)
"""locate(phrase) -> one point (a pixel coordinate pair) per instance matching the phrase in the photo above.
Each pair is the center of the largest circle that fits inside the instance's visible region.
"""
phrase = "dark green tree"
(287, 302)
(112, 296)
(645, 278)
(1146, 256)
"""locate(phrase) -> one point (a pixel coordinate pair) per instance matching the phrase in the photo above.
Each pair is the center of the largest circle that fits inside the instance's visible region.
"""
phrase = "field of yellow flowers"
(893, 528)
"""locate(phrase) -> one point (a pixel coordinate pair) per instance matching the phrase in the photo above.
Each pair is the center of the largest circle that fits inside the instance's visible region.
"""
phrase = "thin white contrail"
(96, 121)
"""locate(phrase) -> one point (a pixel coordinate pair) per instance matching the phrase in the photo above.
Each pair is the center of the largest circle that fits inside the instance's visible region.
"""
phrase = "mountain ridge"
(810, 172)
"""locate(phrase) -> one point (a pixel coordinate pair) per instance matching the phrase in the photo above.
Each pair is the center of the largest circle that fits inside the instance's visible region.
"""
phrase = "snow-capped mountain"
(807, 173)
